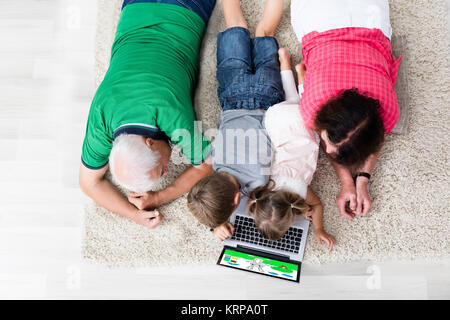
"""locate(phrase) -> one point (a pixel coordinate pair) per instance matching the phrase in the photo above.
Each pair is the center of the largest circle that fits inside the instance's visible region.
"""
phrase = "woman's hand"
(347, 201)
(323, 237)
(362, 196)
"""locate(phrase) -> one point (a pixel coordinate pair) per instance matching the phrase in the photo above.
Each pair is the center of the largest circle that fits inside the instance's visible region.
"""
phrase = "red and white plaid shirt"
(347, 58)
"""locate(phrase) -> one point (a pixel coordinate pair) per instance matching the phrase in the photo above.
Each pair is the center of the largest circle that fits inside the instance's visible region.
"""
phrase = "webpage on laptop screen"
(249, 262)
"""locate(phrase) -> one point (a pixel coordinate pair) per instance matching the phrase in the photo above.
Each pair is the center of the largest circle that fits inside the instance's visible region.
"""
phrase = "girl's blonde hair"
(274, 209)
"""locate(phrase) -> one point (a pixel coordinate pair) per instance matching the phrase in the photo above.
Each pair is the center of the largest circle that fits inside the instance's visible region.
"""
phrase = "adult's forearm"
(108, 197)
(369, 164)
(362, 182)
(344, 173)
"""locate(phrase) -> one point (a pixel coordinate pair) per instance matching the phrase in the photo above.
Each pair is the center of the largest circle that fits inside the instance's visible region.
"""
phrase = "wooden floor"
(46, 84)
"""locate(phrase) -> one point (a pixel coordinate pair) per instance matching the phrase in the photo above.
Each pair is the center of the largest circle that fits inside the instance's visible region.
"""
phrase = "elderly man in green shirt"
(145, 103)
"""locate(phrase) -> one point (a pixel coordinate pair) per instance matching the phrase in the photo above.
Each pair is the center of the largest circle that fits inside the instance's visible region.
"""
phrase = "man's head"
(350, 127)
(137, 162)
(214, 198)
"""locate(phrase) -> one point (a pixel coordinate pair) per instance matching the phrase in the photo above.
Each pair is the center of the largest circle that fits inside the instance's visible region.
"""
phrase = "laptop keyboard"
(245, 230)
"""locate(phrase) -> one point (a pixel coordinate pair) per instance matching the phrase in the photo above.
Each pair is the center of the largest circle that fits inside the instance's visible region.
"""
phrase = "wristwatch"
(363, 174)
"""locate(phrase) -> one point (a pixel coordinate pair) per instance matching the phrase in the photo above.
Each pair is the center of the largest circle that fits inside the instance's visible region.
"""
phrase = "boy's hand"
(224, 231)
(149, 219)
(321, 235)
(144, 200)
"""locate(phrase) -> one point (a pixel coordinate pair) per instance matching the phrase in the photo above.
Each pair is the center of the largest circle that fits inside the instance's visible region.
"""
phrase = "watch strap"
(363, 174)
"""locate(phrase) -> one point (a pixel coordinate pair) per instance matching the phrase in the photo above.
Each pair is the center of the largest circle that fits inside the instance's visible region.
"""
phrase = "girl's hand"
(224, 231)
(308, 214)
(328, 239)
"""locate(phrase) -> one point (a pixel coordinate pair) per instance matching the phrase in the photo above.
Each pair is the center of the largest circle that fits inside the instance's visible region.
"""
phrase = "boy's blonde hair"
(274, 209)
(211, 200)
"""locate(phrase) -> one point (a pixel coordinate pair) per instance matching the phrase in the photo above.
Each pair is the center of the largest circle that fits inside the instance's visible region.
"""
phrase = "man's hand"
(347, 201)
(362, 196)
(224, 231)
(323, 237)
(146, 200)
(149, 219)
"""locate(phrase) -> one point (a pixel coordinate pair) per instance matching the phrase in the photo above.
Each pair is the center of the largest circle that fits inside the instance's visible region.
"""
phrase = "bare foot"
(285, 59)
(273, 11)
(262, 31)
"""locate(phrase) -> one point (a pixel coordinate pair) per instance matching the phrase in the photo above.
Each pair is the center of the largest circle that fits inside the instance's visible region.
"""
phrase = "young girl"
(275, 205)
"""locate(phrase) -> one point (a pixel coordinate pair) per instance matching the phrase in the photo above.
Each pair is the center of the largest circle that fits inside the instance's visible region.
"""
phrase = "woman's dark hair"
(353, 123)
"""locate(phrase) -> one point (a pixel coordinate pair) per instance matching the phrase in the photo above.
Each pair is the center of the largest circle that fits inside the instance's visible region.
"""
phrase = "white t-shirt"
(323, 15)
(296, 147)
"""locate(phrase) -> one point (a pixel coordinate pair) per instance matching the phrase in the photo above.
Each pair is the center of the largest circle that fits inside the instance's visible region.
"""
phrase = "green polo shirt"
(150, 84)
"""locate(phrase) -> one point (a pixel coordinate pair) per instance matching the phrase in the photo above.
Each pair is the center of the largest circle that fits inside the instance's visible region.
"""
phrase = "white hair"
(139, 160)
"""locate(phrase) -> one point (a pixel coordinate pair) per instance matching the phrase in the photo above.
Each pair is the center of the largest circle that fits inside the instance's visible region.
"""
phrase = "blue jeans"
(203, 8)
(248, 71)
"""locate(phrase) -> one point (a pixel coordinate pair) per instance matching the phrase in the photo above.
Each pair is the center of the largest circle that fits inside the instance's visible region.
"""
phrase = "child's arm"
(316, 216)
(290, 91)
(301, 71)
(287, 76)
(181, 185)
(224, 231)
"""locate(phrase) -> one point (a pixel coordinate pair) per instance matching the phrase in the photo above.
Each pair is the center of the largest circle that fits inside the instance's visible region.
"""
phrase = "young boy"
(248, 72)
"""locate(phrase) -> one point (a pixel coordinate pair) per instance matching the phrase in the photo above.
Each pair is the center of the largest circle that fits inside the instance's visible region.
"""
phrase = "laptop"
(249, 251)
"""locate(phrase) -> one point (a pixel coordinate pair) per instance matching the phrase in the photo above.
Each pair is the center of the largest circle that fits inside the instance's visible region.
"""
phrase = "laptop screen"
(258, 264)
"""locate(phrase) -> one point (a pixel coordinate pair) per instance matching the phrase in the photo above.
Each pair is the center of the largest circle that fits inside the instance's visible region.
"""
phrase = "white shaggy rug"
(410, 188)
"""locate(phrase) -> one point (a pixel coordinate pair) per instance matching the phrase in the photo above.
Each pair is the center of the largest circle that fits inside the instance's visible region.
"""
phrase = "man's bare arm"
(94, 185)
(180, 186)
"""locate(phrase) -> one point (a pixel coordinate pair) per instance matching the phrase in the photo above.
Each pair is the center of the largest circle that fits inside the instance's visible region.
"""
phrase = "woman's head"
(274, 209)
(350, 127)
